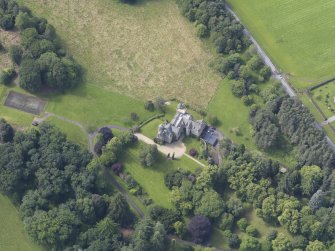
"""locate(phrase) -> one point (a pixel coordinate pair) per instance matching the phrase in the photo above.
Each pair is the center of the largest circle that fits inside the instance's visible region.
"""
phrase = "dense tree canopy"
(44, 61)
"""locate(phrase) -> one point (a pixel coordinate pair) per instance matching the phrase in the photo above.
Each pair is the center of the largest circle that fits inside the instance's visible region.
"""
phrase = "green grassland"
(12, 235)
(73, 132)
(152, 178)
(324, 97)
(125, 47)
(297, 35)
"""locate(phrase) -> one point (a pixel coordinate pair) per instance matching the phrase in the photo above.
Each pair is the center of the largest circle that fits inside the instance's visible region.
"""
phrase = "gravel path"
(178, 148)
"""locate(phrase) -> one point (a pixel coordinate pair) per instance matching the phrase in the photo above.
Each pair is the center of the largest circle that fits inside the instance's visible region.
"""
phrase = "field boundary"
(321, 84)
(319, 109)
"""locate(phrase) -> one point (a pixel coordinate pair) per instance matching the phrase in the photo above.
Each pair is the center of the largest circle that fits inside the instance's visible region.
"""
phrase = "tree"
(281, 243)
(30, 76)
(158, 239)
(7, 21)
(167, 217)
(15, 53)
(180, 228)
(210, 205)
(149, 105)
(202, 31)
(316, 246)
(316, 200)
(53, 227)
(311, 179)
(234, 241)
(250, 244)
(226, 222)
(200, 228)
(24, 21)
(133, 116)
(242, 224)
(148, 155)
(149, 235)
(6, 131)
(159, 104)
(251, 231)
(119, 210)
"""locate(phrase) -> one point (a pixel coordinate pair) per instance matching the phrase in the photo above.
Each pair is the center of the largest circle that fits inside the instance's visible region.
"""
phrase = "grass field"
(124, 47)
(93, 107)
(152, 178)
(12, 234)
(324, 97)
(297, 35)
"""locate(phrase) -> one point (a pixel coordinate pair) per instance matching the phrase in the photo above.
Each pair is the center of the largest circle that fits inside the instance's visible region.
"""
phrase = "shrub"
(193, 152)
(133, 116)
(117, 168)
(212, 120)
(200, 228)
(149, 105)
(7, 76)
(1, 46)
(175, 178)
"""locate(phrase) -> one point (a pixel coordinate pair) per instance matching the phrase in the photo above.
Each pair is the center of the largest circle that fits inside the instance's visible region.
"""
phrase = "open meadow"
(125, 48)
(297, 35)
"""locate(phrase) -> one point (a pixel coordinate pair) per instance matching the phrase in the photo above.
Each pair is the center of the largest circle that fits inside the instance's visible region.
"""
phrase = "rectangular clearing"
(25, 103)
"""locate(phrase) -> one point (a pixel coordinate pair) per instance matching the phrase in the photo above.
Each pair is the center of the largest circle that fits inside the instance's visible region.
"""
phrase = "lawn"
(74, 133)
(150, 129)
(297, 35)
(124, 47)
(152, 178)
(324, 97)
(12, 235)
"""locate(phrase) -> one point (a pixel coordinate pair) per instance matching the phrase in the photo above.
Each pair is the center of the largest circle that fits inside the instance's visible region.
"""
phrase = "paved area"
(178, 148)
(328, 121)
